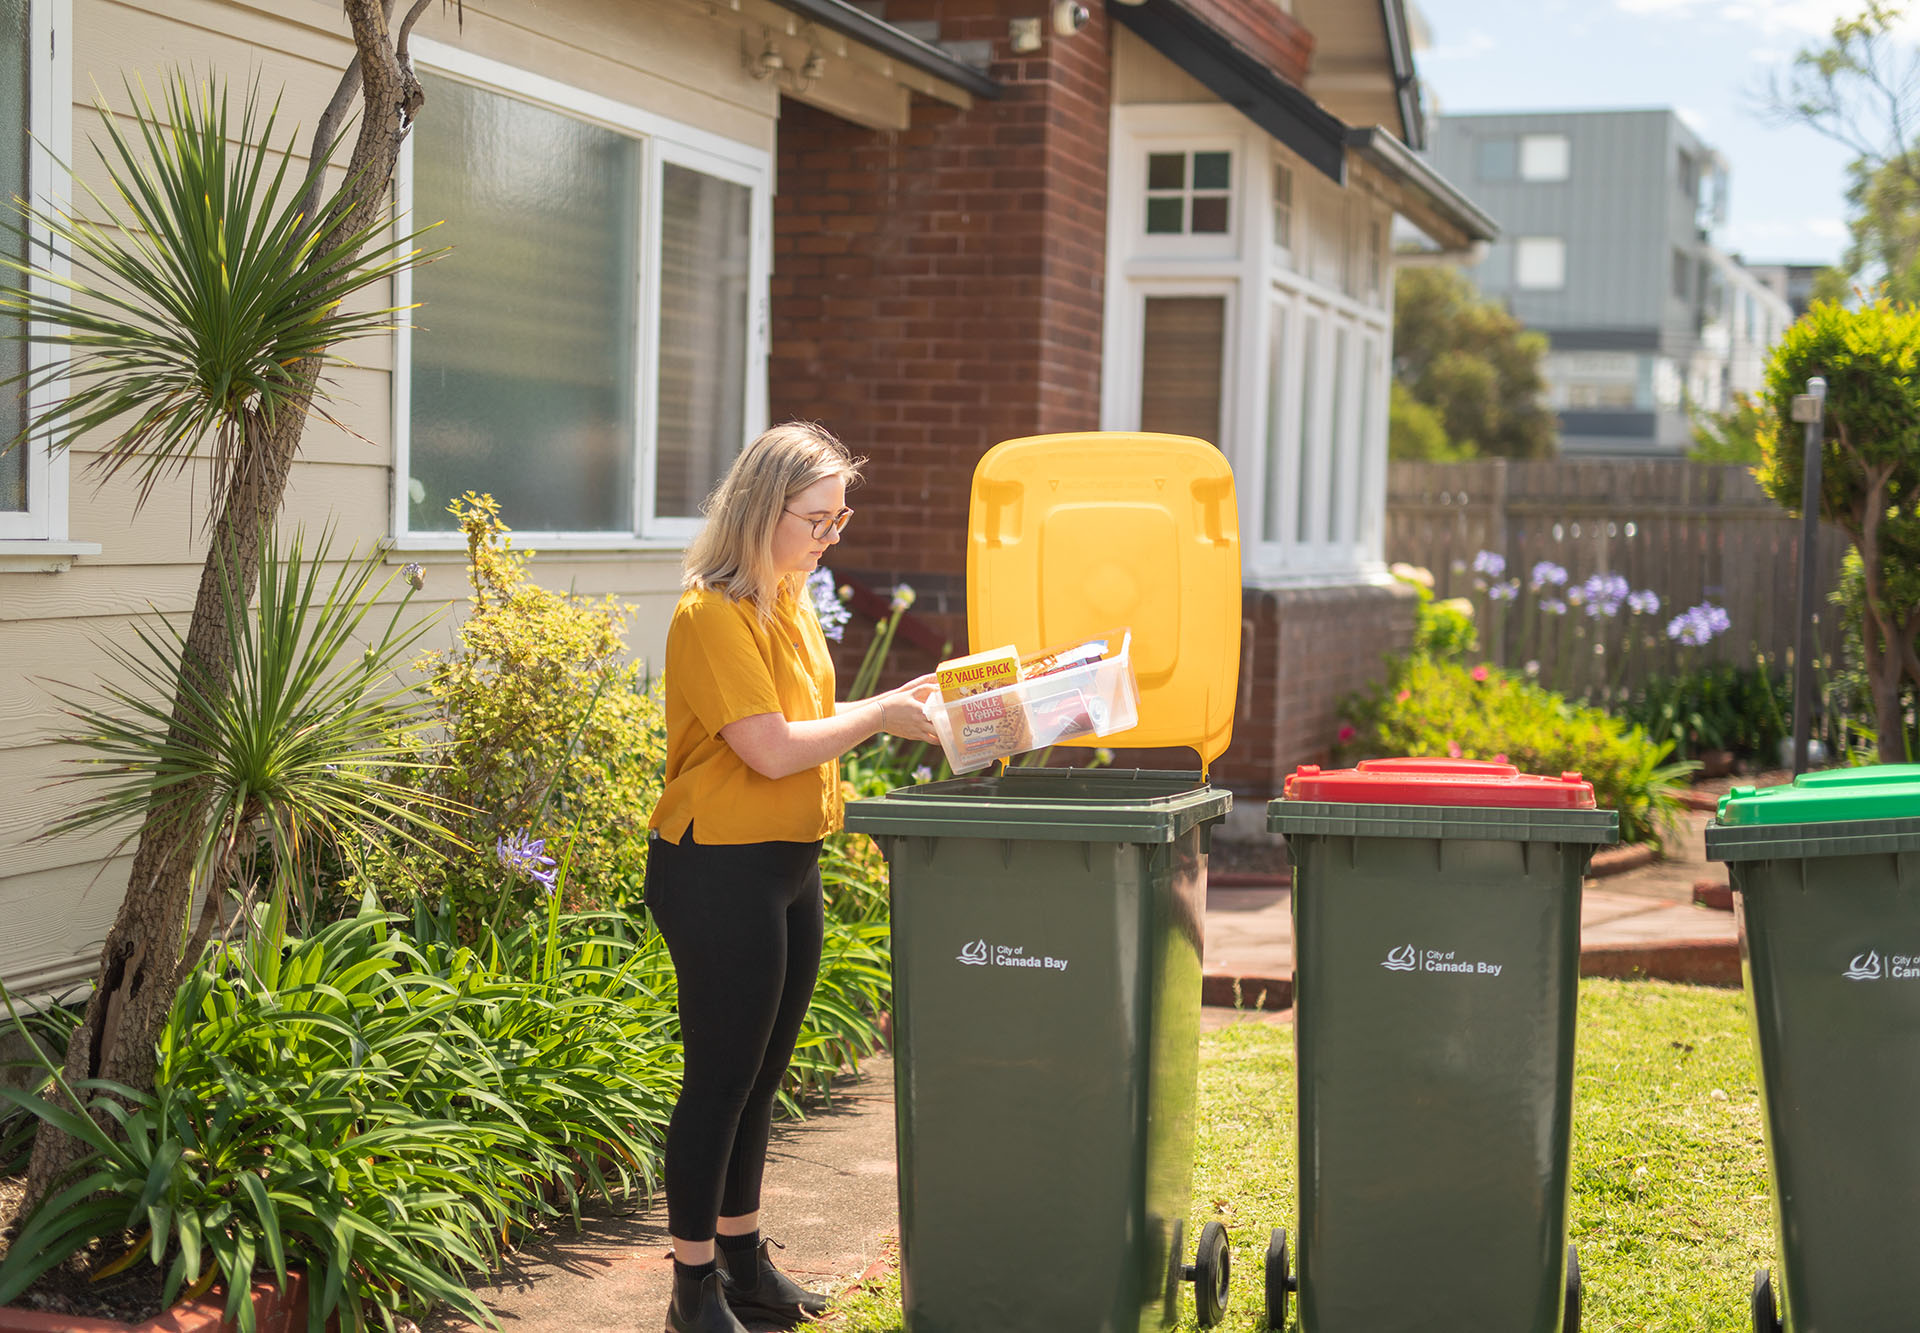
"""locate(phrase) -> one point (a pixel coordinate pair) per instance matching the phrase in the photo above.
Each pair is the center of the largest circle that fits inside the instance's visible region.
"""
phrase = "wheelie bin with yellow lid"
(1826, 882)
(1436, 908)
(1047, 921)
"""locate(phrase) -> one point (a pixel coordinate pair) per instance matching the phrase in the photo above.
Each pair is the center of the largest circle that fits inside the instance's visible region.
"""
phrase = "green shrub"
(545, 732)
(1481, 712)
(1745, 710)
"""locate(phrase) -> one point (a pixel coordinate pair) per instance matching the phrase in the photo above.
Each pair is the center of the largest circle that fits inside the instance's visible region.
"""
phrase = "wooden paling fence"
(1690, 532)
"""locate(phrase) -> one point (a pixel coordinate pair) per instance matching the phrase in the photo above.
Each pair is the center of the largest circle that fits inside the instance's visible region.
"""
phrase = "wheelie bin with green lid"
(1436, 908)
(1826, 880)
(1047, 921)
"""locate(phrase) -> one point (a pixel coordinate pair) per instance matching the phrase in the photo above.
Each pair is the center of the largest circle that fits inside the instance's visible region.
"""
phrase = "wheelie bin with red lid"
(1826, 882)
(1436, 908)
(1047, 921)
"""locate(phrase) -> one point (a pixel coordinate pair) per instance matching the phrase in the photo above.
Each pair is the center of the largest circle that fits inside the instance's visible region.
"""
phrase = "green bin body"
(1046, 988)
(1437, 961)
(1826, 875)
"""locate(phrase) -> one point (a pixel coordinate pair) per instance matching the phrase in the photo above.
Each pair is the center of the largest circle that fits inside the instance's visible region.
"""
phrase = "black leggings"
(744, 924)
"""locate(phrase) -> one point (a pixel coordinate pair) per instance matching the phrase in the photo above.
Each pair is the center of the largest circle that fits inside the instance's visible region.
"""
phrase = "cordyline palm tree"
(207, 298)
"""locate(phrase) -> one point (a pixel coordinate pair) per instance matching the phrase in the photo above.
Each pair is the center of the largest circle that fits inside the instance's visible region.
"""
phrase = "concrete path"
(830, 1190)
(829, 1197)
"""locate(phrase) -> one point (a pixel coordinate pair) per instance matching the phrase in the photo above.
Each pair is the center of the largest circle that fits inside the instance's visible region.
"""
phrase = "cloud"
(1694, 118)
(1476, 44)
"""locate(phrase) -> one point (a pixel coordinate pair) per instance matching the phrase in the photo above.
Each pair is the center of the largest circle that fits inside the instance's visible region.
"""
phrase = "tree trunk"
(141, 965)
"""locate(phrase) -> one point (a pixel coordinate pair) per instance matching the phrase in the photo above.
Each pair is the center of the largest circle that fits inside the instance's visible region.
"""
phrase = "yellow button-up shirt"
(724, 662)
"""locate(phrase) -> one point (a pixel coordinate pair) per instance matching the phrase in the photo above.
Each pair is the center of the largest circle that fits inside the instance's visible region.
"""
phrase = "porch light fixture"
(769, 61)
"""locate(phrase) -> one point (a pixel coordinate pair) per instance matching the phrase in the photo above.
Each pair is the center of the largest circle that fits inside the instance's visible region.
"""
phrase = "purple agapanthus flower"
(1645, 602)
(827, 605)
(1603, 594)
(1490, 563)
(1504, 591)
(1553, 606)
(1546, 574)
(1699, 624)
(526, 856)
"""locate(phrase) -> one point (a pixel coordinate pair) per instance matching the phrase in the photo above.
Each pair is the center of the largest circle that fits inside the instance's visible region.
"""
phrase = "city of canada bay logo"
(1403, 959)
(974, 954)
(1865, 967)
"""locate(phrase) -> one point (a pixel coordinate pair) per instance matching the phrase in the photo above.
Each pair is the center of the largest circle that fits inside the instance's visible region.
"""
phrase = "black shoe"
(709, 1313)
(774, 1297)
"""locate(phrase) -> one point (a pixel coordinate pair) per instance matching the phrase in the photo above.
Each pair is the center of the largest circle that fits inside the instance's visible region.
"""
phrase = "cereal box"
(990, 670)
(990, 724)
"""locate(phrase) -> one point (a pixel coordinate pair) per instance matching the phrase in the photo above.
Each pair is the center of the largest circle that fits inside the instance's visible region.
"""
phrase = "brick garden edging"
(275, 1310)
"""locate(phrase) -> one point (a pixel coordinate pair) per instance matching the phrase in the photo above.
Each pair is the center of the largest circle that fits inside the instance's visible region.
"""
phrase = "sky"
(1709, 60)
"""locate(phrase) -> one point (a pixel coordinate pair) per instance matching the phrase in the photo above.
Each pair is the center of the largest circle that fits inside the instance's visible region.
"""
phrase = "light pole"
(1808, 407)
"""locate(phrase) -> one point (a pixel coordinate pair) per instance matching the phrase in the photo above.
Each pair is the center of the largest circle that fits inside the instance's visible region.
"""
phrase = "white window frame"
(37, 538)
(1520, 244)
(1562, 165)
(1139, 266)
(661, 141)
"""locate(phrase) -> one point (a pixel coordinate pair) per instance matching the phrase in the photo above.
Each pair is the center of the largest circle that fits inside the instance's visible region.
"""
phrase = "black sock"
(742, 1256)
(686, 1283)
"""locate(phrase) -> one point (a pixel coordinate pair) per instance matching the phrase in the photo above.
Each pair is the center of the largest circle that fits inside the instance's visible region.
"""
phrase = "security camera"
(1069, 16)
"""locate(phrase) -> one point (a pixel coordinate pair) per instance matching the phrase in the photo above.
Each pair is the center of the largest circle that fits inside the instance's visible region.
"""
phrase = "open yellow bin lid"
(1070, 536)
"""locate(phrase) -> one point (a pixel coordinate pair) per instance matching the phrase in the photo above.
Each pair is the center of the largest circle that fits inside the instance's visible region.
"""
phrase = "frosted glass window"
(1544, 157)
(1306, 480)
(1337, 445)
(1182, 357)
(1271, 510)
(13, 183)
(523, 374)
(706, 236)
(1540, 263)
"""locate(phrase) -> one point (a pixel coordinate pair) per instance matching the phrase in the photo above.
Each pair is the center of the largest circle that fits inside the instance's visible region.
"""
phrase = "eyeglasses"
(822, 526)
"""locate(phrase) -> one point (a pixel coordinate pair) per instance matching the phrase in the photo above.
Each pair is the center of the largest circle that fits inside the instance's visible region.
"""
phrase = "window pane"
(1543, 157)
(1540, 262)
(1210, 171)
(1303, 528)
(1498, 159)
(1282, 206)
(1166, 217)
(1210, 215)
(1363, 443)
(1276, 428)
(13, 181)
(1166, 171)
(1337, 444)
(1180, 365)
(523, 347)
(706, 235)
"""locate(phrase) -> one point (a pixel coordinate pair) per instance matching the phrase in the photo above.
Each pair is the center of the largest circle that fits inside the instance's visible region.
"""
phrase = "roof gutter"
(843, 18)
(1406, 79)
(1428, 199)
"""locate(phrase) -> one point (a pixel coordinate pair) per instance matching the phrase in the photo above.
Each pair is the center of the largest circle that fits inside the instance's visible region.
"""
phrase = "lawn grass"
(1670, 1195)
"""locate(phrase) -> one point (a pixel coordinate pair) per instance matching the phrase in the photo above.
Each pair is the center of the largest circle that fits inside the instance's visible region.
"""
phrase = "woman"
(752, 786)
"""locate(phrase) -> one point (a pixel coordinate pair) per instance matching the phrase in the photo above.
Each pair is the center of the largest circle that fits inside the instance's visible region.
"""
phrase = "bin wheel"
(1570, 1315)
(1280, 1279)
(1211, 1271)
(1766, 1315)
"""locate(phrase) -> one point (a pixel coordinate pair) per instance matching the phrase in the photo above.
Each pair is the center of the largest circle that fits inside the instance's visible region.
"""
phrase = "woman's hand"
(903, 711)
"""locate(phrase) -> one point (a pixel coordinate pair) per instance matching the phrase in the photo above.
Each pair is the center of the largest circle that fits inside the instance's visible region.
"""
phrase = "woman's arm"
(774, 747)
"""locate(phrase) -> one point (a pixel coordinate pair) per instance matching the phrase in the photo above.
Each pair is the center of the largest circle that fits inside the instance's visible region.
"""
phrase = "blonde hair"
(734, 551)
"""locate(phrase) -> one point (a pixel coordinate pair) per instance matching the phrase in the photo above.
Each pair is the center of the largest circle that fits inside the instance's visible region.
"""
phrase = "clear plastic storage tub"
(1098, 698)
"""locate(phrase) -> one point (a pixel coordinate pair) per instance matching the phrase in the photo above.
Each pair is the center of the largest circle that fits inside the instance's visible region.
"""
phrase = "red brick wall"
(1277, 38)
(941, 288)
